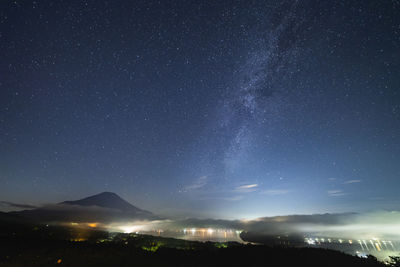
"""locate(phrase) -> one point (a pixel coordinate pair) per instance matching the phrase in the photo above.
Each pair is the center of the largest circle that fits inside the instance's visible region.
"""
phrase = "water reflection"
(200, 234)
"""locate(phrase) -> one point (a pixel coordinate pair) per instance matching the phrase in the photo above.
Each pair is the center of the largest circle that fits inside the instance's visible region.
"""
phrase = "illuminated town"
(380, 248)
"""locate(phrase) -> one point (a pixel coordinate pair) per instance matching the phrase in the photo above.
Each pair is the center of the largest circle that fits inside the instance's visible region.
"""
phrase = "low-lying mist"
(377, 224)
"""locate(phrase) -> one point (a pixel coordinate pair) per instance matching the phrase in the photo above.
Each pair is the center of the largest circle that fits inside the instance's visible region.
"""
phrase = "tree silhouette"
(394, 261)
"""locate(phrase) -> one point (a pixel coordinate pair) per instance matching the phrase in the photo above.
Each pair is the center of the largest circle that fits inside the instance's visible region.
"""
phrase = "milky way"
(206, 109)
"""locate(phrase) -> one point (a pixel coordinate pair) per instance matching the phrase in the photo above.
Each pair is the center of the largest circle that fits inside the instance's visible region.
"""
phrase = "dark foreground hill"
(41, 245)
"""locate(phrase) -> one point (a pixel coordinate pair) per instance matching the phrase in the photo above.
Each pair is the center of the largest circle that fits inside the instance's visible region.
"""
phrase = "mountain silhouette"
(105, 207)
(106, 200)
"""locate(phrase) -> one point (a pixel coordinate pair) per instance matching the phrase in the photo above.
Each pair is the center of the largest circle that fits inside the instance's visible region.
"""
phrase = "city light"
(130, 228)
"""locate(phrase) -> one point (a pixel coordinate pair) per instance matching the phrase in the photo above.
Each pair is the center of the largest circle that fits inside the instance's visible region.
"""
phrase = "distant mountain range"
(104, 208)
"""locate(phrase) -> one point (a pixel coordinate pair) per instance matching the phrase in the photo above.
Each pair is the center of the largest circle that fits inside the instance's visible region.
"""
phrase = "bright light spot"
(310, 241)
(127, 229)
(210, 231)
(93, 225)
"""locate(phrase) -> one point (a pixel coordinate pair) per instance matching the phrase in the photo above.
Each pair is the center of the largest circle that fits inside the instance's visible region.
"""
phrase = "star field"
(228, 109)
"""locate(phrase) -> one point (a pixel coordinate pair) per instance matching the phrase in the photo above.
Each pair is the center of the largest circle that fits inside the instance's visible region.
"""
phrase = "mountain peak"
(105, 200)
(106, 193)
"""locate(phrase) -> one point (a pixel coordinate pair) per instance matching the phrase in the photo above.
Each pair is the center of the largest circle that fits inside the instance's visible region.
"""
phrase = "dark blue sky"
(228, 109)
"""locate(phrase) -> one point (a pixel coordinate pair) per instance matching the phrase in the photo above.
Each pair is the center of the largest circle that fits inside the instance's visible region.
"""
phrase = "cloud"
(382, 224)
(199, 183)
(246, 188)
(293, 224)
(336, 193)
(17, 205)
(352, 181)
(275, 192)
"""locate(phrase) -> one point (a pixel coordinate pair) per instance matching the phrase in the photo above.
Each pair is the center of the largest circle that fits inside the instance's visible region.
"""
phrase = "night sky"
(223, 109)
